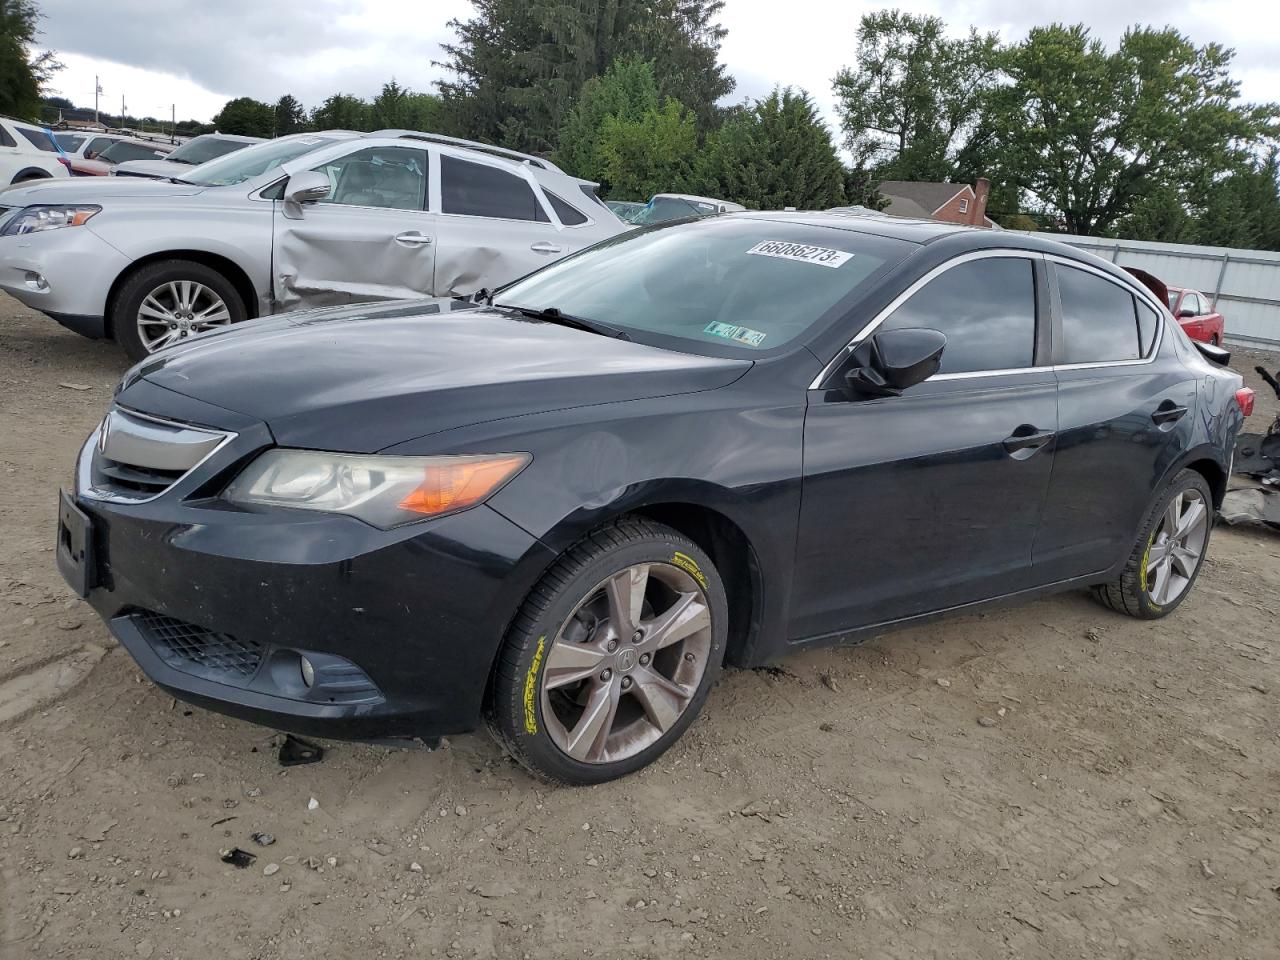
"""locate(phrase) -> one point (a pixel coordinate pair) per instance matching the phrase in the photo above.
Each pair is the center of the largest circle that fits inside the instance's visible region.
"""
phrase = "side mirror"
(1186, 312)
(307, 187)
(893, 360)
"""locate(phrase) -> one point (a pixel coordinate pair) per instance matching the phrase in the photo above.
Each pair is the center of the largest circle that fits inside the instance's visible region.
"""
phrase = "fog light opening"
(308, 672)
(36, 281)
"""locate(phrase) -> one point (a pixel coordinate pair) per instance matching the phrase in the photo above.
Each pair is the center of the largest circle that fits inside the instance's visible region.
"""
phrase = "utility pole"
(97, 89)
(122, 123)
(173, 121)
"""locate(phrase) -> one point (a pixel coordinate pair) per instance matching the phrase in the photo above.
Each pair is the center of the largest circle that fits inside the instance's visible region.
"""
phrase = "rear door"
(496, 225)
(930, 500)
(370, 239)
(1125, 405)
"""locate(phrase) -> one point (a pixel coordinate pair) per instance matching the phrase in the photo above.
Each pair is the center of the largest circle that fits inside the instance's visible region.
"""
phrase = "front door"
(930, 500)
(370, 239)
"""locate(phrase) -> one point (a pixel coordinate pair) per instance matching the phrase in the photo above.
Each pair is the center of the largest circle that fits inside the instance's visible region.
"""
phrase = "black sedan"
(563, 510)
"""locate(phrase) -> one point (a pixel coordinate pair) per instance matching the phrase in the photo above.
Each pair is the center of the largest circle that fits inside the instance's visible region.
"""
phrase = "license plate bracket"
(75, 555)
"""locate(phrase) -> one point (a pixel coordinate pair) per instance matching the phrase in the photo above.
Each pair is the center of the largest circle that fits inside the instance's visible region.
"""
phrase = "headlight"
(383, 491)
(50, 217)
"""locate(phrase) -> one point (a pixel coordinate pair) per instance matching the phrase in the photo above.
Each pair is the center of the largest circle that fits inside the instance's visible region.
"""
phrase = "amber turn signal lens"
(1244, 397)
(449, 486)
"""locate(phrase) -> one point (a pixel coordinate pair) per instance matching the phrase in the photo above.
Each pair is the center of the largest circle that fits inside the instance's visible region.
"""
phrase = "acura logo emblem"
(626, 660)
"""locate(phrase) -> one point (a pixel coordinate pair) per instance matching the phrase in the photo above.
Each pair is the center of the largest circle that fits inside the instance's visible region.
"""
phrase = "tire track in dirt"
(40, 684)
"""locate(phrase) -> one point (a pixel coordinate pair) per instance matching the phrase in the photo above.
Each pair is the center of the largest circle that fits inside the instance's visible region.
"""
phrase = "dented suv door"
(371, 238)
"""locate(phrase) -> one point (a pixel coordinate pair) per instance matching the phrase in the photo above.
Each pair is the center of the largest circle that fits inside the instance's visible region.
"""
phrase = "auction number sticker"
(783, 250)
(752, 338)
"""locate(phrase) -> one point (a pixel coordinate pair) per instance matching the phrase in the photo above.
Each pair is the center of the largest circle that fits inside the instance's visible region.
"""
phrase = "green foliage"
(397, 107)
(1088, 134)
(21, 75)
(914, 104)
(342, 112)
(775, 153)
(652, 154)
(520, 65)
(627, 92)
(247, 117)
(290, 116)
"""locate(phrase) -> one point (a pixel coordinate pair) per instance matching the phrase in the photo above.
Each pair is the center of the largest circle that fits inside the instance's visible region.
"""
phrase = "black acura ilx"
(563, 508)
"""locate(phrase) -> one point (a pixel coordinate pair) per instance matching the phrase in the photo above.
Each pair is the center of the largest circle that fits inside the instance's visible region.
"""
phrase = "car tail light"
(65, 162)
(1244, 397)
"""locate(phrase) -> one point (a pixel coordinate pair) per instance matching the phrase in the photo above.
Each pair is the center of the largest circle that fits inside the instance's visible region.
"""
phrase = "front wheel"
(168, 301)
(612, 655)
(1168, 554)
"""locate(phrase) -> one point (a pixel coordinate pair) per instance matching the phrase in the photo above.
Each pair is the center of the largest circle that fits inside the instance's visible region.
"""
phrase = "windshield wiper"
(554, 315)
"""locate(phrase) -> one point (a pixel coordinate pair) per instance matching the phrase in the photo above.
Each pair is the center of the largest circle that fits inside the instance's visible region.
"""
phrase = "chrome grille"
(192, 649)
(136, 458)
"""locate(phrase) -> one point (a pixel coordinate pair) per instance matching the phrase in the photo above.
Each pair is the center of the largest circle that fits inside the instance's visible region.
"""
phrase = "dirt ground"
(1124, 803)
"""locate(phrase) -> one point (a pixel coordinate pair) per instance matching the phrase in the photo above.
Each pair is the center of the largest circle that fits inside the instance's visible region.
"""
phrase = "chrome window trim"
(905, 295)
(84, 462)
(1135, 289)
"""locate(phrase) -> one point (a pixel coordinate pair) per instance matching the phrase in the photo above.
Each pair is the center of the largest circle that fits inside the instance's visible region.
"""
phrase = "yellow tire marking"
(690, 566)
(531, 688)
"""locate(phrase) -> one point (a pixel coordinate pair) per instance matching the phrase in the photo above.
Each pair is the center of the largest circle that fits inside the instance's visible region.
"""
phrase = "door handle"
(1168, 412)
(1025, 441)
(412, 238)
(542, 246)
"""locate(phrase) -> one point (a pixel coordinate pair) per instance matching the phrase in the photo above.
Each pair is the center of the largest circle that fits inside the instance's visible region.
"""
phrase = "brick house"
(951, 202)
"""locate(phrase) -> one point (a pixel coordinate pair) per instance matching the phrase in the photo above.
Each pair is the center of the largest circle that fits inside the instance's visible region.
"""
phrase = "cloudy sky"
(198, 54)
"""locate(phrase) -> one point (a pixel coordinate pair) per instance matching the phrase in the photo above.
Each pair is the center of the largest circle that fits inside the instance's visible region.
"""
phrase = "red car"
(1196, 315)
(118, 152)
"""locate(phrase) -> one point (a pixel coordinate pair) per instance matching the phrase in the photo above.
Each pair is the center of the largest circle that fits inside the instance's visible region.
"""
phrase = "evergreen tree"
(290, 116)
(777, 153)
(519, 65)
(627, 92)
(653, 154)
(246, 117)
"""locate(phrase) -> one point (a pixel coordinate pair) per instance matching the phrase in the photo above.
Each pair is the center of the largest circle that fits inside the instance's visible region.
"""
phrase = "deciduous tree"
(247, 117)
(290, 116)
(22, 73)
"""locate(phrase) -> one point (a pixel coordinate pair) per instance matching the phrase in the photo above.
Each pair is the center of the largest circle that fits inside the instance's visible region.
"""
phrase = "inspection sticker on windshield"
(782, 250)
(752, 338)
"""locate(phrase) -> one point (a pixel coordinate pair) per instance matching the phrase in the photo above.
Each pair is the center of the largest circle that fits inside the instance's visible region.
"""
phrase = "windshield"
(70, 142)
(662, 209)
(732, 284)
(253, 161)
(203, 149)
(123, 150)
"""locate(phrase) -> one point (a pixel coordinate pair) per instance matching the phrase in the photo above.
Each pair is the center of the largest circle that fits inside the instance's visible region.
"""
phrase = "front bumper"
(65, 274)
(217, 605)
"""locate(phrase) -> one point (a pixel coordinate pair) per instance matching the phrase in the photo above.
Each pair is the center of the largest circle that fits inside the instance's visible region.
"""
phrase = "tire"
(1215, 340)
(1141, 591)
(565, 661)
(193, 297)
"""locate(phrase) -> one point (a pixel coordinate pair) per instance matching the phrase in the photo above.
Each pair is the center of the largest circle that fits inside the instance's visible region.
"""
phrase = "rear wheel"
(612, 655)
(28, 177)
(1169, 553)
(167, 302)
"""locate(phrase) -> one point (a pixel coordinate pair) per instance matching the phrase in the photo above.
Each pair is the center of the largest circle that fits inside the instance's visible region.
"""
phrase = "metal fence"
(1243, 284)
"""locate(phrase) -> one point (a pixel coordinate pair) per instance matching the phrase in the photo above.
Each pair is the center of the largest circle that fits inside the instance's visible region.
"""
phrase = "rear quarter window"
(39, 139)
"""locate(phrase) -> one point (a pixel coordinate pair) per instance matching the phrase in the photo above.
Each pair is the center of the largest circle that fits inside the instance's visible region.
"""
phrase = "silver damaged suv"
(306, 220)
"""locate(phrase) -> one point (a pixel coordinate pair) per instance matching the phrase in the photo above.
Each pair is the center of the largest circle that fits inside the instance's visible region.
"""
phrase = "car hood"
(362, 378)
(95, 190)
(151, 168)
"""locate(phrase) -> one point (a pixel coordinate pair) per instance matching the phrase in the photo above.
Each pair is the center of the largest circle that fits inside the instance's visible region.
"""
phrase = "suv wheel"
(166, 302)
(1169, 553)
(612, 655)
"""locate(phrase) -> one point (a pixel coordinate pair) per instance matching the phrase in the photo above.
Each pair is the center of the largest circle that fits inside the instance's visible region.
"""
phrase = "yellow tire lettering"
(689, 566)
(531, 688)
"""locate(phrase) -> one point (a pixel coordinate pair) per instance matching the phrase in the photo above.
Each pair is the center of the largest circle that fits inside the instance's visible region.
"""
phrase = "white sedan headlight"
(383, 491)
(37, 219)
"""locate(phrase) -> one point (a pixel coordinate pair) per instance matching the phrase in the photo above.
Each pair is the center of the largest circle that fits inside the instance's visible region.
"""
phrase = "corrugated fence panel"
(1246, 283)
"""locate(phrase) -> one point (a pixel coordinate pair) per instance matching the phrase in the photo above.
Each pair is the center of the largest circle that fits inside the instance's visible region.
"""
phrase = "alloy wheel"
(627, 663)
(1177, 546)
(179, 309)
